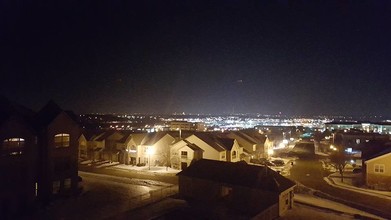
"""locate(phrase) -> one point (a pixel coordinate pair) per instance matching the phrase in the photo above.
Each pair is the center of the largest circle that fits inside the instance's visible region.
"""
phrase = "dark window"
(234, 155)
(183, 154)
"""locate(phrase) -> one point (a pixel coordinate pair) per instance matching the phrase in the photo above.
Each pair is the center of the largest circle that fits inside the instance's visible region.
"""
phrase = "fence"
(153, 196)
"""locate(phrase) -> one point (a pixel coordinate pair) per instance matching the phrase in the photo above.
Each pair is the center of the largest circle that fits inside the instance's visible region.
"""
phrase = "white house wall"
(209, 152)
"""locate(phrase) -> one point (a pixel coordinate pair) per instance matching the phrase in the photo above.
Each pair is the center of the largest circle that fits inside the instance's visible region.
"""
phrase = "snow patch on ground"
(108, 164)
(86, 162)
(125, 180)
(153, 169)
(327, 204)
(101, 198)
(336, 182)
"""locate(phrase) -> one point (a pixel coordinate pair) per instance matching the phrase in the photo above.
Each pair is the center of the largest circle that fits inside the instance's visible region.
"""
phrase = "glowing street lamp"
(150, 151)
(270, 152)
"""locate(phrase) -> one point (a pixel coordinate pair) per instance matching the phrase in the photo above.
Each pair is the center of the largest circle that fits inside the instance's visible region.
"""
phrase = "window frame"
(184, 154)
(379, 168)
(65, 140)
(234, 154)
(13, 146)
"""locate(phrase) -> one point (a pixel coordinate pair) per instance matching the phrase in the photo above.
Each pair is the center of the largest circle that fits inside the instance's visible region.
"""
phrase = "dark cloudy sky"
(295, 57)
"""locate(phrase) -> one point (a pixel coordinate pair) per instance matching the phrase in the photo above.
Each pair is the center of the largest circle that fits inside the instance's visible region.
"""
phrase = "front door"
(183, 165)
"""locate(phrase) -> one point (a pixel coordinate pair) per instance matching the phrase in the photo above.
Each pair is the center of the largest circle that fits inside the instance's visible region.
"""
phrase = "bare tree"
(339, 160)
(165, 157)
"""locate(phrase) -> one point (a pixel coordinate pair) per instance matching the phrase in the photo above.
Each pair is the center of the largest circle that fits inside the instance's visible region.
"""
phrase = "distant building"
(187, 126)
(39, 155)
(356, 139)
(238, 187)
(369, 127)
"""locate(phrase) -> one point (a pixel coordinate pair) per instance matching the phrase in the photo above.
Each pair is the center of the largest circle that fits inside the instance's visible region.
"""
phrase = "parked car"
(357, 170)
(278, 162)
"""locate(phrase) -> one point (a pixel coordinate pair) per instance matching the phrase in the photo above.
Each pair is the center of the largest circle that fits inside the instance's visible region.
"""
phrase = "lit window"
(61, 140)
(379, 168)
(13, 146)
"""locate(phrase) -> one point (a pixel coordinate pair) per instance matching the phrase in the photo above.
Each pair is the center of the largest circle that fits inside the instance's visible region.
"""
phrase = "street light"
(150, 151)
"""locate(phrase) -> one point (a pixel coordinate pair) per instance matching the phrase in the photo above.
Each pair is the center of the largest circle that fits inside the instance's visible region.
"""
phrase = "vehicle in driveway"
(278, 162)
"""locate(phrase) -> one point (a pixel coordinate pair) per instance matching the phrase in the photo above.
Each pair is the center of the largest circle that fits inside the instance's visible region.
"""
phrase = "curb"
(323, 195)
(329, 180)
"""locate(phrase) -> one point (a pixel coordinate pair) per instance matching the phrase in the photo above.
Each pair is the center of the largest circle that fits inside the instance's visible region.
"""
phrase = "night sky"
(295, 57)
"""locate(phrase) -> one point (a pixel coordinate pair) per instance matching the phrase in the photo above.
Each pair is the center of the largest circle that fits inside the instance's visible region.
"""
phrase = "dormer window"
(13, 146)
(61, 140)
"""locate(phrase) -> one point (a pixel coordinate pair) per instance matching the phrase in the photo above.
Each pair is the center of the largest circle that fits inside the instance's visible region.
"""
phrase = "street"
(309, 172)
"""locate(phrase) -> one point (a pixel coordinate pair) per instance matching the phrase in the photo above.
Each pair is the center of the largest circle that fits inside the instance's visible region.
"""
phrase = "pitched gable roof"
(138, 137)
(10, 109)
(260, 138)
(226, 143)
(240, 174)
(104, 135)
(243, 136)
(379, 155)
(152, 138)
(374, 148)
(210, 139)
(49, 112)
(192, 146)
(125, 136)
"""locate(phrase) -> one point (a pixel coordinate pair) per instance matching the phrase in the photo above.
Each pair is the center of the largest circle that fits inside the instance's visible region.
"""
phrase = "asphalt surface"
(310, 173)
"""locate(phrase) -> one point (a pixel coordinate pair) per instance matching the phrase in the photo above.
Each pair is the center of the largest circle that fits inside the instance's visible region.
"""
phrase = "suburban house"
(134, 149)
(95, 145)
(217, 148)
(83, 149)
(155, 148)
(18, 158)
(378, 171)
(110, 151)
(39, 155)
(130, 148)
(58, 133)
(252, 147)
(126, 148)
(268, 146)
(183, 153)
(238, 187)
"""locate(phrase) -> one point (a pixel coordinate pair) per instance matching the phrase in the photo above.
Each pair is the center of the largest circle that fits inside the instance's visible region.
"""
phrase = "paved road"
(310, 173)
(131, 174)
(101, 198)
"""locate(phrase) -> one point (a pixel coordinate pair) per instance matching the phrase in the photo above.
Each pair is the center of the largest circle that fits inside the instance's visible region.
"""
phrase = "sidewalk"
(335, 181)
(330, 206)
